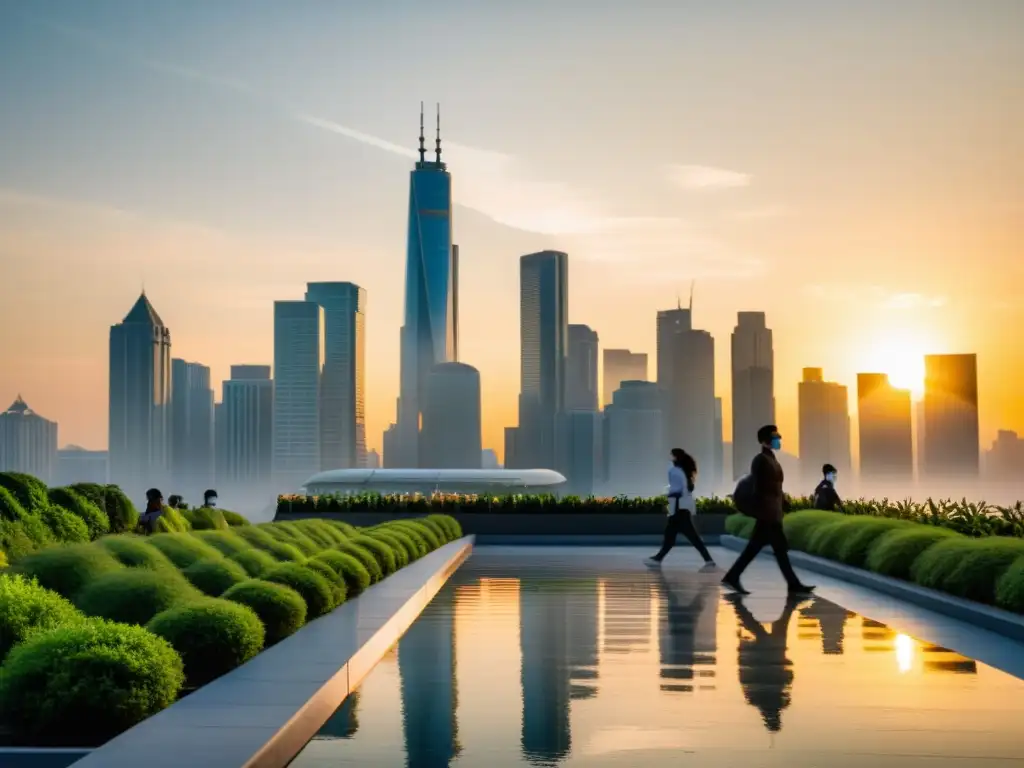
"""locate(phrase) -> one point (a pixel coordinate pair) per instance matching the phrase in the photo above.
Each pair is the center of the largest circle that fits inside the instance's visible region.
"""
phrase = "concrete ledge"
(40, 757)
(262, 714)
(976, 614)
(582, 540)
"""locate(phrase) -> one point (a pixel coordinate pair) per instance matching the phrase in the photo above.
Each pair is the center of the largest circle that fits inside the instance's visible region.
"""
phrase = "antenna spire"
(423, 148)
(438, 134)
(692, 283)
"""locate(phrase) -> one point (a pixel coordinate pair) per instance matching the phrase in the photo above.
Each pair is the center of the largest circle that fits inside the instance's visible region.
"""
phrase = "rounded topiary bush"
(1010, 587)
(281, 609)
(256, 562)
(259, 538)
(346, 529)
(67, 569)
(288, 534)
(404, 549)
(22, 537)
(853, 549)
(322, 538)
(27, 608)
(64, 526)
(316, 590)
(353, 572)
(206, 519)
(29, 491)
(894, 553)
(440, 533)
(739, 525)
(827, 538)
(95, 519)
(213, 636)
(226, 542)
(214, 577)
(134, 551)
(333, 578)
(183, 549)
(449, 524)
(135, 595)
(935, 565)
(969, 569)
(10, 507)
(172, 521)
(413, 534)
(382, 552)
(365, 558)
(84, 683)
(421, 531)
(233, 519)
(121, 513)
(800, 526)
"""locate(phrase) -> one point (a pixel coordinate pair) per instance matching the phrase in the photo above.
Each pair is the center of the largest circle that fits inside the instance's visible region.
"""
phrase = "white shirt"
(677, 488)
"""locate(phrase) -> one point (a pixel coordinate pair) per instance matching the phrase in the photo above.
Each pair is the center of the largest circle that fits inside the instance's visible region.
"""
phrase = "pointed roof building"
(19, 406)
(143, 312)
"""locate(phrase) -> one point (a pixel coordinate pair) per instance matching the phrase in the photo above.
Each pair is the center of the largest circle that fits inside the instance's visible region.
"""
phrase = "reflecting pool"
(584, 657)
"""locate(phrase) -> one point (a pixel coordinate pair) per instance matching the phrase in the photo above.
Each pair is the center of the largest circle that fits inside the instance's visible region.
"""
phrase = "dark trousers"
(765, 533)
(681, 522)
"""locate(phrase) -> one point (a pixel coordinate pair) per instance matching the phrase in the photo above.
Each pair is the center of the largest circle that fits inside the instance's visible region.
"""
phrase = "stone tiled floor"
(583, 656)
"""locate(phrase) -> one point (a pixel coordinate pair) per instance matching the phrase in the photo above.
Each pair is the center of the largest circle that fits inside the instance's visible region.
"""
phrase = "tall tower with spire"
(140, 400)
(429, 331)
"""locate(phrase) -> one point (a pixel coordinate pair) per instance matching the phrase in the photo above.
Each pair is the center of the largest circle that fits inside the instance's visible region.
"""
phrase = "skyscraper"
(451, 418)
(343, 385)
(248, 428)
(580, 445)
(140, 400)
(753, 387)
(634, 441)
(886, 438)
(581, 369)
(28, 442)
(670, 322)
(621, 365)
(76, 464)
(544, 331)
(951, 416)
(298, 357)
(431, 271)
(192, 435)
(824, 425)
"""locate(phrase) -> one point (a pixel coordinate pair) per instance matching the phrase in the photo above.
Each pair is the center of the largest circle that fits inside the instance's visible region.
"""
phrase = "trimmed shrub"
(404, 549)
(968, 568)
(225, 542)
(120, 511)
(417, 529)
(256, 562)
(347, 567)
(288, 534)
(281, 609)
(214, 577)
(213, 636)
(1010, 587)
(95, 519)
(183, 549)
(414, 533)
(739, 525)
(64, 526)
(3, 559)
(382, 552)
(27, 608)
(853, 550)
(365, 558)
(134, 595)
(449, 524)
(10, 507)
(82, 684)
(67, 569)
(233, 519)
(172, 521)
(800, 526)
(21, 537)
(826, 539)
(347, 529)
(206, 519)
(324, 535)
(333, 578)
(894, 553)
(134, 551)
(314, 589)
(29, 491)
(440, 533)
(258, 537)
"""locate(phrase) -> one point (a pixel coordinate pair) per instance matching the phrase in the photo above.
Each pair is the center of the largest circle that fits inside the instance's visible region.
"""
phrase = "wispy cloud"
(703, 177)
(875, 295)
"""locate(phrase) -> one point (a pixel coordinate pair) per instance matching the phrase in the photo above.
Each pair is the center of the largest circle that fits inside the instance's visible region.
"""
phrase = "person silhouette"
(832, 619)
(687, 609)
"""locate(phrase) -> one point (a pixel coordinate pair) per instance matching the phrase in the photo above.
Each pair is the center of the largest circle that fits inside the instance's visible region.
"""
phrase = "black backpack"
(743, 496)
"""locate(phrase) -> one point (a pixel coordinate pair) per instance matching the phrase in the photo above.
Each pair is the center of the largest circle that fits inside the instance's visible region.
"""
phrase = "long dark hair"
(687, 463)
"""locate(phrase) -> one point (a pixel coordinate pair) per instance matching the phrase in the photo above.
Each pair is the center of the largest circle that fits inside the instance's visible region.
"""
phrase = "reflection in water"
(687, 636)
(627, 614)
(344, 723)
(583, 628)
(832, 620)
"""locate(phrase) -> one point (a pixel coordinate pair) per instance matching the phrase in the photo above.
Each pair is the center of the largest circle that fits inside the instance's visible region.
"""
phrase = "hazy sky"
(856, 170)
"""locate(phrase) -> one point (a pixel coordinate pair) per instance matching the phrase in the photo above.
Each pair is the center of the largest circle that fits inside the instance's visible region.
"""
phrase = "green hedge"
(281, 609)
(215, 577)
(67, 569)
(134, 551)
(134, 595)
(27, 608)
(314, 588)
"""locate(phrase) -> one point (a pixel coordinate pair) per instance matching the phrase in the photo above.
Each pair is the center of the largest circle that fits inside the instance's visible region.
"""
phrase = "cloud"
(875, 295)
(703, 177)
(776, 211)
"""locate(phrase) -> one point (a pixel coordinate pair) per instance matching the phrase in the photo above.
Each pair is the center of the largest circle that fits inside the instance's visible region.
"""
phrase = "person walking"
(682, 476)
(154, 509)
(767, 506)
(825, 495)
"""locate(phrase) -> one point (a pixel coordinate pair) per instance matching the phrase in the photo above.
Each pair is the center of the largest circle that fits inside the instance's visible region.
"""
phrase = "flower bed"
(984, 569)
(98, 636)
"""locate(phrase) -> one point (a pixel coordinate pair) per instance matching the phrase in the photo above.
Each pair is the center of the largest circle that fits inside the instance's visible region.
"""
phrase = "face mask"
(213, 501)
(831, 477)
(776, 443)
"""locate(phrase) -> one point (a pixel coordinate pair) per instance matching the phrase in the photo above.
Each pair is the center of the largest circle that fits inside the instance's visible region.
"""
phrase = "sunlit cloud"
(703, 177)
(777, 211)
(875, 295)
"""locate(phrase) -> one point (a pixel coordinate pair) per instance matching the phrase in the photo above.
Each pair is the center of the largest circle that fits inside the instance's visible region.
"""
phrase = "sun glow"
(900, 354)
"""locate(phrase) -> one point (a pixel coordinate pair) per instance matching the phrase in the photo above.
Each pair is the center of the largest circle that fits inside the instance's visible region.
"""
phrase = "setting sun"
(900, 354)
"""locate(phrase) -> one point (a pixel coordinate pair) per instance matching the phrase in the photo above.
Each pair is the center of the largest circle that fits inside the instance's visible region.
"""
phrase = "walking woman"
(682, 505)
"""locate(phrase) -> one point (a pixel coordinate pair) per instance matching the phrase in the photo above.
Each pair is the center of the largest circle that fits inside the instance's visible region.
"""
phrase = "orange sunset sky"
(855, 170)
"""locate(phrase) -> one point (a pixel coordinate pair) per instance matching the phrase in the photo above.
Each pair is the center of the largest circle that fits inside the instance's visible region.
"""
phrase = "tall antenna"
(692, 283)
(423, 147)
(439, 134)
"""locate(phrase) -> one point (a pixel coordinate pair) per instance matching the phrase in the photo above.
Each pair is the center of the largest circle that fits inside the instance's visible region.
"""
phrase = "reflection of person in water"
(832, 619)
(766, 675)
(686, 637)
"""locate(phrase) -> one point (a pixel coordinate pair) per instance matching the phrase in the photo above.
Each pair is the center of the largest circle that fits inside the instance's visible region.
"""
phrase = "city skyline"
(778, 221)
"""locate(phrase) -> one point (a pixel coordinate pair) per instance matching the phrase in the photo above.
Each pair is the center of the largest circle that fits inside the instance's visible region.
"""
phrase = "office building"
(886, 438)
(489, 459)
(951, 416)
(451, 418)
(429, 332)
(192, 429)
(28, 442)
(298, 358)
(686, 371)
(78, 465)
(621, 365)
(824, 425)
(372, 460)
(139, 433)
(580, 444)
(581, 369)
(1005, 459)
(718, 475)
(670, 323)
(753, 387)
(544, 330)
(343, 382)
(634, 441)
(247, 437)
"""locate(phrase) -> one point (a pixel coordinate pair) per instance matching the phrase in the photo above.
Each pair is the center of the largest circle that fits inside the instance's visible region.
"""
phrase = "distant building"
(192, 429)
(392, 451)
(28, 442)
(621, 365)
(670, 322)
(248, 428)
(489, 459)
(581, 369)
(78, 465)
(886, 438)
(1005, 459)
(140, 400)
(450, 437)
(372, 460)
(951, 416)
(824, 425)
(753, 387)
(580, 445)
(634, 440)
(718, 476)
(298, 358)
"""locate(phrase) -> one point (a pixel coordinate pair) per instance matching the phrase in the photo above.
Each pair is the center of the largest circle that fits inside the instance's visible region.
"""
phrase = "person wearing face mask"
(682, 474)
(210, 498)
(768, 505)
(825, 496)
